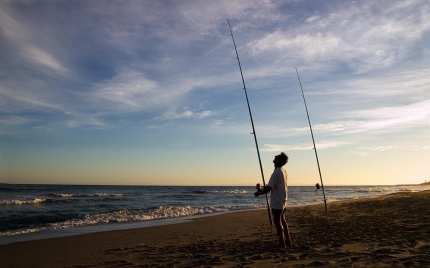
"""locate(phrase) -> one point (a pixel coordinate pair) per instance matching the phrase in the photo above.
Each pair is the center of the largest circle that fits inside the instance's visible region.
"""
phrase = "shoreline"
(386, 231)
(108, 227)
(117, 226)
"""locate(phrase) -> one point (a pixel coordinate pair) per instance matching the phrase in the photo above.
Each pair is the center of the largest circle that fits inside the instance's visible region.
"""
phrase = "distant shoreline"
(421, 184)
(142, 185)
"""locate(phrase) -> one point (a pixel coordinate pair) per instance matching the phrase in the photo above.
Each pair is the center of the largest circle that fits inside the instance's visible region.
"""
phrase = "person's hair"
(283, 158)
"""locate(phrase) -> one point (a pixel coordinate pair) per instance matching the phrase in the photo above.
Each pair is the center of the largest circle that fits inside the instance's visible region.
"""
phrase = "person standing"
(278, 189)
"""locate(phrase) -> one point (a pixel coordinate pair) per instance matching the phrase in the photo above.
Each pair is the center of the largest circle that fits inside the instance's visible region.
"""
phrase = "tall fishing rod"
(313, 140)
(252, 123)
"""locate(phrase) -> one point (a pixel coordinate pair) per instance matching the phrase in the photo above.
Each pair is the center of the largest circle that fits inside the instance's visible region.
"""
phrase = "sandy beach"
(387, 231)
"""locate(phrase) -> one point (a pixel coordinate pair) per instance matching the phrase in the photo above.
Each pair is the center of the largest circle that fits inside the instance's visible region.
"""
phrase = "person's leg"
(285, 229)
(277, 220)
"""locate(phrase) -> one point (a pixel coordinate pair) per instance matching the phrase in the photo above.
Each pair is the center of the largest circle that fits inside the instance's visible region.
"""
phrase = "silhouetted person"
(278, 189)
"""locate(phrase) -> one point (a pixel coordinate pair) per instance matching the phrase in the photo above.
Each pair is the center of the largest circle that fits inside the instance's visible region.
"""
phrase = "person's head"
(280, 160)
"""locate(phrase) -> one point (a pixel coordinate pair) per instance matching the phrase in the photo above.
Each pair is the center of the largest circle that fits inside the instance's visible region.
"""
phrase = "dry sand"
(388, 231)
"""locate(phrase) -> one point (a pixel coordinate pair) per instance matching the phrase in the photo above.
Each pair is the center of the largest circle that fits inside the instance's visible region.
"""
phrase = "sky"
(150, 92)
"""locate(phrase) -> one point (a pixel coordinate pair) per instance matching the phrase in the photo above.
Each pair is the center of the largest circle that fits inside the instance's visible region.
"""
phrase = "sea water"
(74, 209)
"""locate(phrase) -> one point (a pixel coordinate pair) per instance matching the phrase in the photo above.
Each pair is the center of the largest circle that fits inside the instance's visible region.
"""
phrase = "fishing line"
(313, 140)
(252, 123)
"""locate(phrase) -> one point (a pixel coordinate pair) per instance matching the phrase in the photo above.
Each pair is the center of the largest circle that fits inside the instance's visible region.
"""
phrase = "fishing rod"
(313, 140)
(252, 123)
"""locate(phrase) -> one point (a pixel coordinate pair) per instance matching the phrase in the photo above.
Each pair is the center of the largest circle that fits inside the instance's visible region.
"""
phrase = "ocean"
(32, 211)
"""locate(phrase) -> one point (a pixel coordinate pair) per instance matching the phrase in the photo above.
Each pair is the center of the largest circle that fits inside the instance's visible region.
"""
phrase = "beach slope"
(387, 231)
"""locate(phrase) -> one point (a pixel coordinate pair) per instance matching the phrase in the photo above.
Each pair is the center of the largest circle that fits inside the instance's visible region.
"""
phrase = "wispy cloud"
(130, 90)
(323, 46)
(29, 96)
(395, 148)
(77, 120)
(10, 124)
(42, 58)
(216, 123)
(73, 121)
(334, 126)
(363, 37)
(385, 119)
(302, 147)
(13, 121)
(407, 84)
(23, 44)
(173, 114)
(392, 118)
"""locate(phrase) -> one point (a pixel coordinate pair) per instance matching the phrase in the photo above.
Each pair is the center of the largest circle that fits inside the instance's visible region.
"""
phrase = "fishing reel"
(258, 186)
(259, 189)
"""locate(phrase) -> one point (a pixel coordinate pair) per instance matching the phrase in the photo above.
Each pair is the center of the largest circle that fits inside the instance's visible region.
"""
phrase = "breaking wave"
(126, 215)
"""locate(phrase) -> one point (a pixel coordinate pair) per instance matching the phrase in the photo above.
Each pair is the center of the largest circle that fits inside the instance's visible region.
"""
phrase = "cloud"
(407, 84)
(42, 58)
(173, 114)
(134, 25)
(216, 123)
(302, 147)
(130, 90)
(28, 95)
(89, 122)
(161, 54)
(9, 123)
(22, 43)
(366, 37)
(395, 148)
(68, 123)
(392, 118)
(385, 119)
(43, 109)
(323, 45)
(13, 120)
(334, 126)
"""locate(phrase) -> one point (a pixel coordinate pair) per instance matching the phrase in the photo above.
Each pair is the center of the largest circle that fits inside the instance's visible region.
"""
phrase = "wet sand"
(387, 231)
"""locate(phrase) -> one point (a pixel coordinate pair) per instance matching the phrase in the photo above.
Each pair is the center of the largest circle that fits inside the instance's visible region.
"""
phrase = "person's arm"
(265, 190)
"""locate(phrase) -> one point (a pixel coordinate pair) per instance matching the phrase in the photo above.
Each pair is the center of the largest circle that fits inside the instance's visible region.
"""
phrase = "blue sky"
(149, 92)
